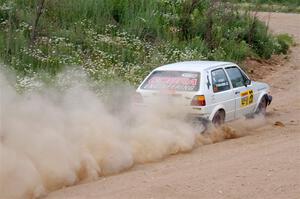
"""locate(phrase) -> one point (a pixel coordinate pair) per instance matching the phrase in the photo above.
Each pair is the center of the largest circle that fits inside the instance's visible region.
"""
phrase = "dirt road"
(263, 164)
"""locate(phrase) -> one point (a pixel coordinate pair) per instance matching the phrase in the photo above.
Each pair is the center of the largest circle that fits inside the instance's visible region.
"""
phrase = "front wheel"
(262, 106)
(219, 118)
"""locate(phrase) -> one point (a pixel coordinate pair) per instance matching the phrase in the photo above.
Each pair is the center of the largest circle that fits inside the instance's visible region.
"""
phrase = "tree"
(39, 11)
(209, 24)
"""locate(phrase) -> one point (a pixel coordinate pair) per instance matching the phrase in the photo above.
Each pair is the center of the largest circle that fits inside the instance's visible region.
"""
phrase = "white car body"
(230, 96)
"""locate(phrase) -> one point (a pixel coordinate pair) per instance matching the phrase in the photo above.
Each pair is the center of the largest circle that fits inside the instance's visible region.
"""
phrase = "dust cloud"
(53, 138)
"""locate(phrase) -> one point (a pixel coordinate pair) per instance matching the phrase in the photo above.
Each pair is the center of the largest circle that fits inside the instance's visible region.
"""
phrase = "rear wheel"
(219, 118)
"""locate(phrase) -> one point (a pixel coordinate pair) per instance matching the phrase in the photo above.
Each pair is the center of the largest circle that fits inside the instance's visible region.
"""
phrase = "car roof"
(194, 65)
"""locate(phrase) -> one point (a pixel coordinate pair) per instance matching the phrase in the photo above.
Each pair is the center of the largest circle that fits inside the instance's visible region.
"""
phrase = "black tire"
(219, 118)
(262, 106)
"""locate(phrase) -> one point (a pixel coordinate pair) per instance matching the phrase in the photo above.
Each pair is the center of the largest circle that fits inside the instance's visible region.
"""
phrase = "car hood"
(258, 86)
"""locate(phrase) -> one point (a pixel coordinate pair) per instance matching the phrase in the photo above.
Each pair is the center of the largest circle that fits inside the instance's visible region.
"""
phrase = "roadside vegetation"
(124, 39)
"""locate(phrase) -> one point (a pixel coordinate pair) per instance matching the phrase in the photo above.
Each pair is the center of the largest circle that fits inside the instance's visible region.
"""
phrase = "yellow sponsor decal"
(246, 98)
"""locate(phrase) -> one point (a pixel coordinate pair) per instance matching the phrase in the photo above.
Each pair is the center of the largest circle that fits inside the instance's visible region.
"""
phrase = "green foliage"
(284, 41)
(124, 39)
(260, 40)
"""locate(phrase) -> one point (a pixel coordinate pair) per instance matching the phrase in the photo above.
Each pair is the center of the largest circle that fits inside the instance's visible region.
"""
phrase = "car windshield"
(172, 80)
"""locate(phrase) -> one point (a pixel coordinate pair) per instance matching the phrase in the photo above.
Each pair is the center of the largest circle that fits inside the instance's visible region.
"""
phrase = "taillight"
(198, 100)
(137, 98)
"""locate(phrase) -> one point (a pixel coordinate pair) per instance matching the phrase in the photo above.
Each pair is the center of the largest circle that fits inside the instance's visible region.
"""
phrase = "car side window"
(236, 77)
(219, 80)
(244, 75)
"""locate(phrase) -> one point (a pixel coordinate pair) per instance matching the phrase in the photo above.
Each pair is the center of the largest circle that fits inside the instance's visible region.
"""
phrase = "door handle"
(237, 92)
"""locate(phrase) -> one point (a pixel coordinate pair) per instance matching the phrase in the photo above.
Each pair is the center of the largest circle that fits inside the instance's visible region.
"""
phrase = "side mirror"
(247, 82)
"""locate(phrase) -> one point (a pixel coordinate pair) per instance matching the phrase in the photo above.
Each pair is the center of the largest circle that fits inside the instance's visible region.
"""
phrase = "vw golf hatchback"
(209, 90)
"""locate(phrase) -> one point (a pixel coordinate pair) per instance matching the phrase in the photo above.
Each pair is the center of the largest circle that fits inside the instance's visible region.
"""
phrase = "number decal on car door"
(246, 98)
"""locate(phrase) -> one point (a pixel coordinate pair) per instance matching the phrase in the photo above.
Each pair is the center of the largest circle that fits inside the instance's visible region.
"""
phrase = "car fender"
(216, 109)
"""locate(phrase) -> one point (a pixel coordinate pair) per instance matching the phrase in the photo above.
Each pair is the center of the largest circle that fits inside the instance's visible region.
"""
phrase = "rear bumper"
(189, 112)
(197, 118)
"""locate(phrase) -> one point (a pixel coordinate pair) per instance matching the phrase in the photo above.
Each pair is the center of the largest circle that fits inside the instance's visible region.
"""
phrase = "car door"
(243, 91)
(222, 93)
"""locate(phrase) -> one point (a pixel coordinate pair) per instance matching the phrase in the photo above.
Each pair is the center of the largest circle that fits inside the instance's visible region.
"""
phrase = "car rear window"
(172, 80)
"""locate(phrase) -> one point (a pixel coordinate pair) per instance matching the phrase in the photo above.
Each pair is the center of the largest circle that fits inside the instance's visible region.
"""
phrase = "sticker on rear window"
(189, 75)
(172, 80)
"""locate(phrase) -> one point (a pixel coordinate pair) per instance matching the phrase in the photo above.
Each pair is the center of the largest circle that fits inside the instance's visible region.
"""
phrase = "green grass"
(123, 40)
(284, 41)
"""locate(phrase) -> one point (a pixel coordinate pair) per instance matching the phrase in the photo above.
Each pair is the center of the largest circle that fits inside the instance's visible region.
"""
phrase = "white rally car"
(209, 90)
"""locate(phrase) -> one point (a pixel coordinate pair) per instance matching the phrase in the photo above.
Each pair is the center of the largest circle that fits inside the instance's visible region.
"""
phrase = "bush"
(124, 40)
(285, 41)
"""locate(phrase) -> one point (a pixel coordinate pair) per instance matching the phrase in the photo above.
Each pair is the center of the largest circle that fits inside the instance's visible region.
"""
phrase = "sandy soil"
(263, 164)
